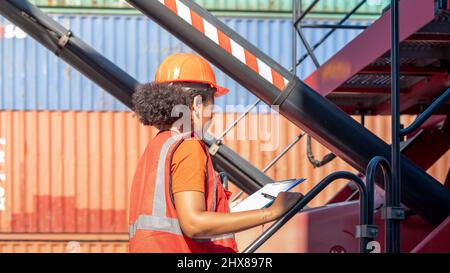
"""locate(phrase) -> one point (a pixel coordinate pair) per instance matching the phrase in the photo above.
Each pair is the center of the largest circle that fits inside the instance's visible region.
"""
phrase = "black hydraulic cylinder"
(355, 144)
(113, 79)
(304, 107)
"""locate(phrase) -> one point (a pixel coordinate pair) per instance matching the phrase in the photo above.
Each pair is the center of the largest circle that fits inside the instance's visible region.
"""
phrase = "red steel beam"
(371, 44)
(438, 241)
(431, 144)
(366, 90)
(355, 108)
(405, 70)
(429, 37)
(422, 90)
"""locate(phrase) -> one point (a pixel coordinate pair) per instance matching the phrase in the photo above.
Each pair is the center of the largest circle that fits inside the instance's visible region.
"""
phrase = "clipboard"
(257, 200)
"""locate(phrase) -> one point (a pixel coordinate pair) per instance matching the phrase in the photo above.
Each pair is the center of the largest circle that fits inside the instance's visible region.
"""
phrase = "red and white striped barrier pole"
(219, 44)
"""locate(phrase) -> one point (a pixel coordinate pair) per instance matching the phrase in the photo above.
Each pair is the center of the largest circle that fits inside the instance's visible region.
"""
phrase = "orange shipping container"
(70, 172)
(63, 243)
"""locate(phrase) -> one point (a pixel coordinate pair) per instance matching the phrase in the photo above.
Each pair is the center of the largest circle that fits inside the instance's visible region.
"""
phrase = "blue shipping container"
(32, 78)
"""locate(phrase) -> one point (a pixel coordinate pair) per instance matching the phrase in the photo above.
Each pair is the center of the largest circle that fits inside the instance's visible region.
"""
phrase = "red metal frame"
(437, 241)
(370, 45)
(404, 70)
(355, 75)
(431, 144)
(429, 37)
(420, 91)
(368, 90)
(332, 229)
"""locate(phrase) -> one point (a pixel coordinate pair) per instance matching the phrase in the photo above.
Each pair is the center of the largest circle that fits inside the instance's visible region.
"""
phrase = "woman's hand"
(284, 201)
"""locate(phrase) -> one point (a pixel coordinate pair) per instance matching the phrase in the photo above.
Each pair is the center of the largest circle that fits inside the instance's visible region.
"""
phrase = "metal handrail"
(333, 29)
(307, 10)
(334, 26)
(426, 114)
(366, 215)
(392, 212)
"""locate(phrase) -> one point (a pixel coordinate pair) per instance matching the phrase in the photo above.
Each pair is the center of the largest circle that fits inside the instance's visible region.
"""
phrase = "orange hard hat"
(188, 67)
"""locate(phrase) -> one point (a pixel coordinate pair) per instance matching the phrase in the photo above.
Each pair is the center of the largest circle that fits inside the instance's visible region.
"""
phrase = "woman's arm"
(196, 222)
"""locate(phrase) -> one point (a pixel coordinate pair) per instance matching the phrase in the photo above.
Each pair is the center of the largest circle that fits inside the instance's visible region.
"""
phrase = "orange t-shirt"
(189, 167)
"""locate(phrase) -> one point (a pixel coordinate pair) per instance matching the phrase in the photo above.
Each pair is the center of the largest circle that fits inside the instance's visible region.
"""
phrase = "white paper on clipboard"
(257, 200)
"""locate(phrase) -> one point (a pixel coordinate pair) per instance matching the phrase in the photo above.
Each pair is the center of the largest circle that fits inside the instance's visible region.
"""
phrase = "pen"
(268, 196)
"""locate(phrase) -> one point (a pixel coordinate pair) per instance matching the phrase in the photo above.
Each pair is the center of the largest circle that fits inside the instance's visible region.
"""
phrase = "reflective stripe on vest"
(159, 199)
(158, 221)
(155, 223)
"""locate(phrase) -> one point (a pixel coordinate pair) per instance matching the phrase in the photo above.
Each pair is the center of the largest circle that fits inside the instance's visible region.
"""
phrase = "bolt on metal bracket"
(366, 231)
(214, 148)
(393, 213)
(62, 42)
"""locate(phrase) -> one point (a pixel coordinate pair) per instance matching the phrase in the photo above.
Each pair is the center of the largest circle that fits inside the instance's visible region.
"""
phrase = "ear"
(197, 103)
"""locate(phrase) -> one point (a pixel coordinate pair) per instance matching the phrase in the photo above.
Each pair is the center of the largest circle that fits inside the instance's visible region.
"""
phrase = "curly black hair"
(153, 102)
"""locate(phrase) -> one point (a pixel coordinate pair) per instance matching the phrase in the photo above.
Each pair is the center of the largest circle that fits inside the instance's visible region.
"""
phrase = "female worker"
(177, 201)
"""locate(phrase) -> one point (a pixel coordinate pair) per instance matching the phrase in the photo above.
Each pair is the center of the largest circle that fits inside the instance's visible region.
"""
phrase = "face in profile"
(202, 114)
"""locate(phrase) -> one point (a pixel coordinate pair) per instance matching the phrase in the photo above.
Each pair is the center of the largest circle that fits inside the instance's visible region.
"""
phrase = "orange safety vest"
(154, 225)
